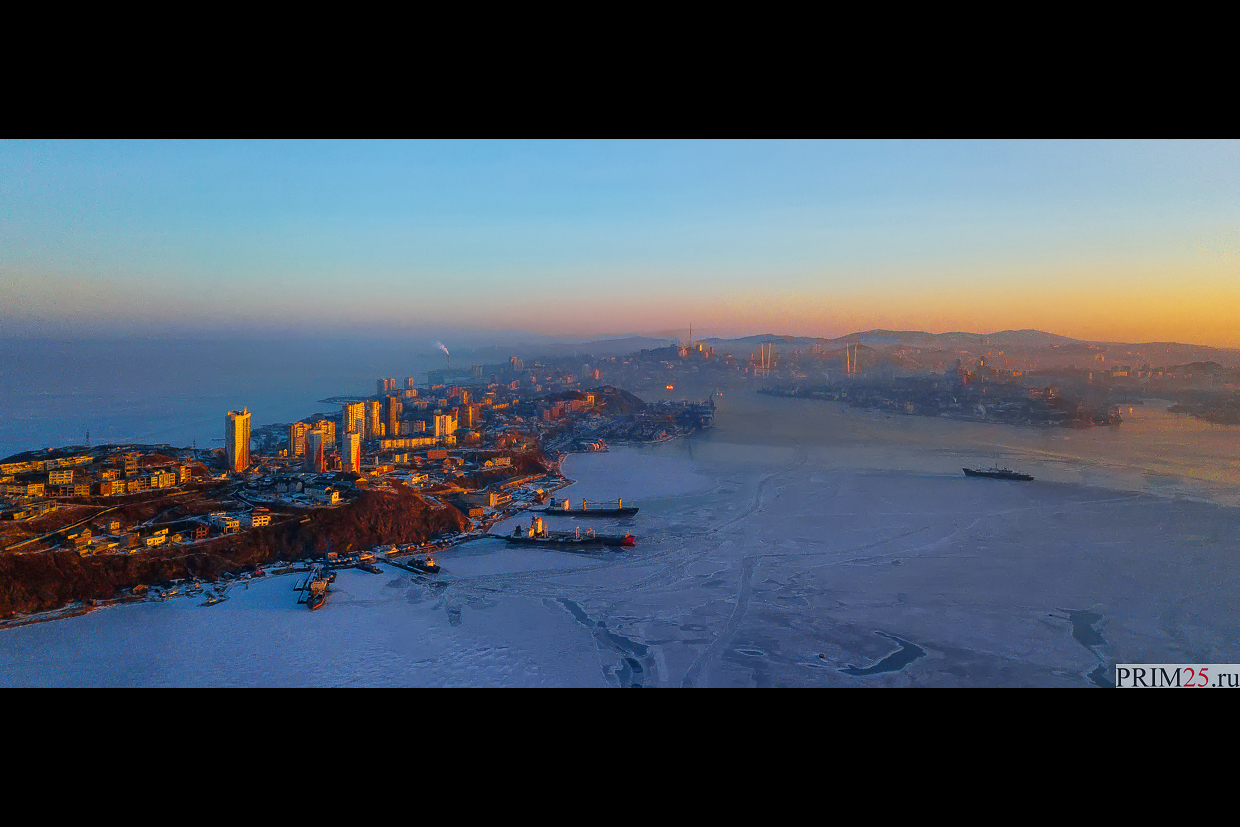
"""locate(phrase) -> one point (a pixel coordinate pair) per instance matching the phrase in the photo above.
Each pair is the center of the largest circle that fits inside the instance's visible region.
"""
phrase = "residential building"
(324, 494)
(316, 446)
(69, 489)
(237, 440)
(351, 452)
(23, 489)
(392, 417)
(297, 439)
(374, 418)
(226, 524)
(60, 476)
(398, 442)
(352, 417)
(329, 431)
(110, 488)
(445, 424)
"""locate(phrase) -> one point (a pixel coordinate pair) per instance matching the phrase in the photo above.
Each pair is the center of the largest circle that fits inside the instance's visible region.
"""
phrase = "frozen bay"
(796, 544)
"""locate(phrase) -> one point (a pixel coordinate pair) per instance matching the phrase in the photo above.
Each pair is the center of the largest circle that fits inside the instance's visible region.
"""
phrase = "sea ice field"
(798, 543)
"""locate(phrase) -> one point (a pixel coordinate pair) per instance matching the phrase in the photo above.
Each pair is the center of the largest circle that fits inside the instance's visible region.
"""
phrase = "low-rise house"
(60, 476)
(325, 494)
(23, 489)
(110, 487)
(226, 524)
(289, 485)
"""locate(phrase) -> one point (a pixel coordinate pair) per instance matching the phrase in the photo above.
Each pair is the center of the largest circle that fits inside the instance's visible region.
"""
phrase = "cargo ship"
(538, 535)
(997, 474)
(564, 509)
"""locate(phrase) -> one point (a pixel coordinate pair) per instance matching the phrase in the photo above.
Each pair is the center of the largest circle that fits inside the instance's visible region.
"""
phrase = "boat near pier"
(427, 566)
(314, 589)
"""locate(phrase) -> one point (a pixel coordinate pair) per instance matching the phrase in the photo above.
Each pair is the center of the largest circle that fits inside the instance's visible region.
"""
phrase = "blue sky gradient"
(1123, 240)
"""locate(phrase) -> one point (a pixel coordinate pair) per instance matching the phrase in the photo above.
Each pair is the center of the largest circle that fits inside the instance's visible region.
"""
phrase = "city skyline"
(1102, 241)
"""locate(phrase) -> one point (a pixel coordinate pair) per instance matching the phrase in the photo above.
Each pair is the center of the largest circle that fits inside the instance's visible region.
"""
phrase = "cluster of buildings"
(109, 535)
(397, 420)
(104, 474)
(993, 396)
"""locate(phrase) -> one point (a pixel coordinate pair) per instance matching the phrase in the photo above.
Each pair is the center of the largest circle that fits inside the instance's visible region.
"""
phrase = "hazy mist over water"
(176, 391)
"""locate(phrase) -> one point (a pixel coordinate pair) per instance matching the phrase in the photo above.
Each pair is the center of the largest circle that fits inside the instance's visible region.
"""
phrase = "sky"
(1103, 240)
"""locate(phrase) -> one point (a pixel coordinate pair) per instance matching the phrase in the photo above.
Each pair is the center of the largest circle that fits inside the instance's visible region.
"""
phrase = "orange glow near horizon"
(1187, 304)
(1136, 307)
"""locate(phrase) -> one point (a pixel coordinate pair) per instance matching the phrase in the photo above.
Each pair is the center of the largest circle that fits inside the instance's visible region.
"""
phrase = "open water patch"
(1084, 633)
(629, 672)
(1083, 629)
(894, 662)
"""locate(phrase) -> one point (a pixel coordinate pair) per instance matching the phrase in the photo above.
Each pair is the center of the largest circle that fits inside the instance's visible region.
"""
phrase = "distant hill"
(1026, 341)
(1161, 353)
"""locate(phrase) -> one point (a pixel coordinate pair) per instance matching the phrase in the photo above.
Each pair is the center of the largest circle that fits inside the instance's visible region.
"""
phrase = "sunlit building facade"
(351, 452)
(353, 416)
(374, 418)
(393, 416)
(445, 424)
(329, 430)
(316, 448)
(237, 440)
(297, 439)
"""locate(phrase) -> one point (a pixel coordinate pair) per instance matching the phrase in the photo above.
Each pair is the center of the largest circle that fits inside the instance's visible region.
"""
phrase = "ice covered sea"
(796, 544)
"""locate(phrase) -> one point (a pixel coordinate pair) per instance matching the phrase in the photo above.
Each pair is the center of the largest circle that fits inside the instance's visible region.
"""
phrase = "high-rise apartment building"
(351, 452)
(393, 416)
(237, 440)
(445, 424)
(329, 430)
(352, 416)
(297, 439)
(385, 386)
(316, 448)
(374, 418)
(409, 384)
